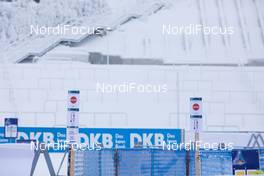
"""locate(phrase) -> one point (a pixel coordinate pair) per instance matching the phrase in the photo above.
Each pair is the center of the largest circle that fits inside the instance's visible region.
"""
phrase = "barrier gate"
(149, 162)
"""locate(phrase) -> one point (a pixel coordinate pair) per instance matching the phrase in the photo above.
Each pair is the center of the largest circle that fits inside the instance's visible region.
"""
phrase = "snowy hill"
(16, 17)
(145, 38)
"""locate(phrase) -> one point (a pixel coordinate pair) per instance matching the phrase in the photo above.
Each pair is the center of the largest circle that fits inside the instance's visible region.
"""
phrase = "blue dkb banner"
(106, 137)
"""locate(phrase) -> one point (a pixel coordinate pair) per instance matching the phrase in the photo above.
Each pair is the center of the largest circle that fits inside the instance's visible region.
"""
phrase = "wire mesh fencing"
(261, 159)
(216, 162)
(150, 162)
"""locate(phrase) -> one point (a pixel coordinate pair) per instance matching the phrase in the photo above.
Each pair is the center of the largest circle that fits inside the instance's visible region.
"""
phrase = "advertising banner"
(105, 137)
(245, 162)
(11, 125)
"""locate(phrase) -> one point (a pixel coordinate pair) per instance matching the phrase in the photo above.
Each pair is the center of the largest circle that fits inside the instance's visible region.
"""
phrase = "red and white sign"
(73, 99)
(196, 107)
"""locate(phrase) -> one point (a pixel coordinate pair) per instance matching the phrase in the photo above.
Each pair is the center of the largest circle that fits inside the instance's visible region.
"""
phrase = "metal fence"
(261, 159)
(216, 162)
(150, 162)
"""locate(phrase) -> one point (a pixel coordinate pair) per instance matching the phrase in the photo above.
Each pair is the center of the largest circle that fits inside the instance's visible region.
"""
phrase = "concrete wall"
(36, 94)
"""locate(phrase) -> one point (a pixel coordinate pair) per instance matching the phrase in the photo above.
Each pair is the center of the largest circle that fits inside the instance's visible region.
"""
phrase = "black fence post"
(100, 162)
(116, 162)
(187, 159)
(152, 161)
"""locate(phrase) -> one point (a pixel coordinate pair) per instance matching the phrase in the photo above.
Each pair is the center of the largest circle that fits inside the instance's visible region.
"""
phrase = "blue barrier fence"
(150, 162)
(216, 162)
(261, 159)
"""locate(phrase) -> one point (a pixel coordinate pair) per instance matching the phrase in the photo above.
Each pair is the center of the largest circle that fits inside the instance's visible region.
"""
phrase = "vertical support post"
(187, 160)
(116, 162)
(71, 162)
(196, 126)
(72, 126)
(152, 161)
(197, 156)
(100, 162)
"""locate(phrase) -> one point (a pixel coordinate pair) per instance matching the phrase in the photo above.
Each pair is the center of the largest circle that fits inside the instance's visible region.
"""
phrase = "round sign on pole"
(196, 107)
(73, 99)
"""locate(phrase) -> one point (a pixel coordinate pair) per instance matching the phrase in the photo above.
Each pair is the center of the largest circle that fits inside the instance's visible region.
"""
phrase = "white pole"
(197, 156)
